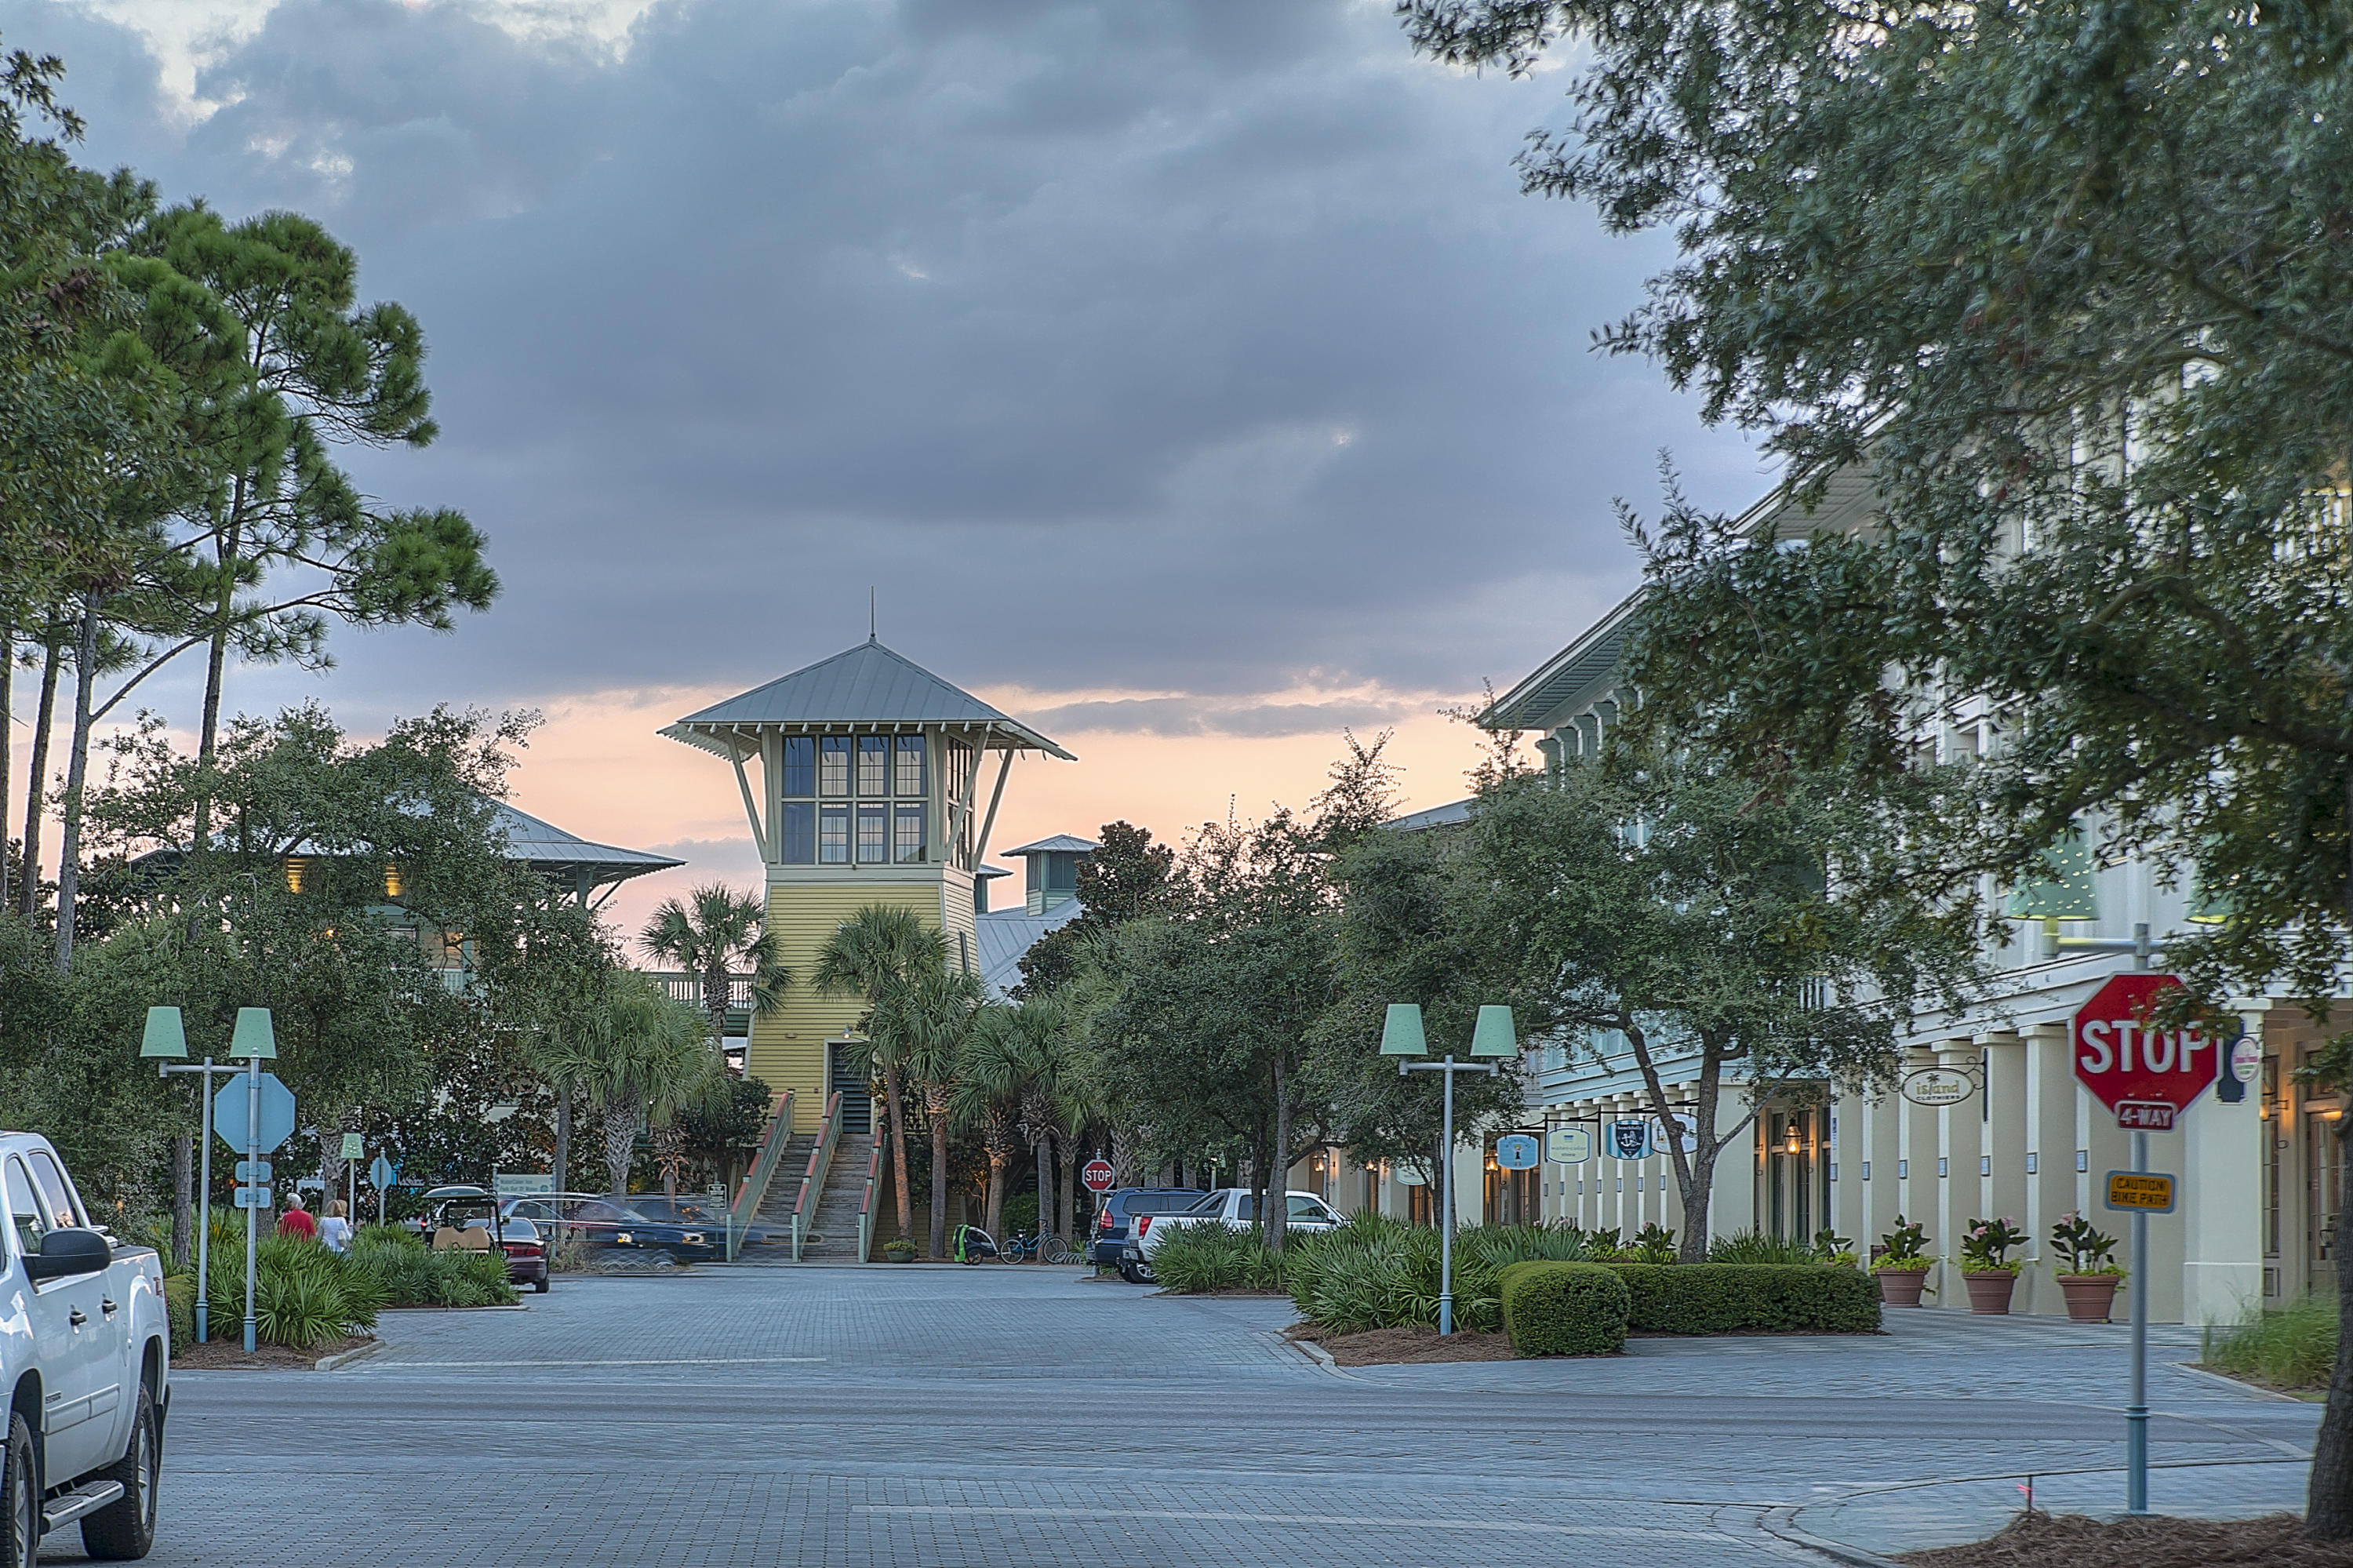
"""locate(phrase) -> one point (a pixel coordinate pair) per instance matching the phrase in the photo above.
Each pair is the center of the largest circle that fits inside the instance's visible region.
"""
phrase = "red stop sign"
(1097, 1175)
(2119, 1058)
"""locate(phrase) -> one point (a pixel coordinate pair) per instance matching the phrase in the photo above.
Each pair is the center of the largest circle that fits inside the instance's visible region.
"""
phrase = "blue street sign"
(253, 1197)
(1629, 1139)
(1516, 1152)
(277, 1113)
(383, 1173)
(253, 1170)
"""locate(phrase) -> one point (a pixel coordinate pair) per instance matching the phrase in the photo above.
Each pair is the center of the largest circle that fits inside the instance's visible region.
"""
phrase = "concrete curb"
(1781, 1523)
(345, 1357)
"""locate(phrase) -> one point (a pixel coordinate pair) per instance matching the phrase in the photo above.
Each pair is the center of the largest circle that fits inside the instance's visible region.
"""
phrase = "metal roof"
(548, 848)
(1061, 843)
(1004, 936)
(1591, 658)
(986, 871)
(868, 685)
(1445, 816)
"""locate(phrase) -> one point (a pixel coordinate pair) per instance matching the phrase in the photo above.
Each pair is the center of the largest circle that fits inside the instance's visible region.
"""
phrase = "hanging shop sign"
(1515, 1151)
(1629, 1139)
(1570, 1145)
(1939, 1086)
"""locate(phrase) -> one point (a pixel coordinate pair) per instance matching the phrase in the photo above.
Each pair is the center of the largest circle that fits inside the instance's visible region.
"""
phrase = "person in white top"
(334, 1230)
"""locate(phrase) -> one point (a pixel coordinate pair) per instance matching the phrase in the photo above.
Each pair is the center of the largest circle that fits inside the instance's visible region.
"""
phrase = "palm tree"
(874, 954)
(936, 1014)
(714, 934)
(640, 1056)
(1008, 1052)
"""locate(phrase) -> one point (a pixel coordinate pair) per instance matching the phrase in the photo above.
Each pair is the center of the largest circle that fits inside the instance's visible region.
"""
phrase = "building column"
(1881, 1147)
(2221, 1200)
(2050, 1185)
(1848, 1145)
(1923, 1194)
(1732, 1195)
(1961, 1153)
(2002, 1191)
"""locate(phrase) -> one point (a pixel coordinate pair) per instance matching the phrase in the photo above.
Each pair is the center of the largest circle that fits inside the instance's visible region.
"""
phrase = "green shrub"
(1564, 1308)
(302, 1293)
(407, 1272)
(1217, 1258)
(1749, 1246)
(1379, 1272)
(2293, 1346)
(1729, 1297)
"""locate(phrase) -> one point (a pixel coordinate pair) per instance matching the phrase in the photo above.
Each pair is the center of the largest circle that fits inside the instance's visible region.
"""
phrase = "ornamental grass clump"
(410, 1274)
(2292, 1346)
(1752, 1247)
(1985, 1246)
(1379, 1272)
(1217, 1258)
(302, 1293)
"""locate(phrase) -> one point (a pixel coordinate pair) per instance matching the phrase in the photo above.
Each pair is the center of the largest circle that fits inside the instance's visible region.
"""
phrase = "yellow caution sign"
(2141, 1192)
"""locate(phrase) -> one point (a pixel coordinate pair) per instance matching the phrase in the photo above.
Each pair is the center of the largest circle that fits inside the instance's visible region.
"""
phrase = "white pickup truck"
(1235, 1206)
(86, 1359)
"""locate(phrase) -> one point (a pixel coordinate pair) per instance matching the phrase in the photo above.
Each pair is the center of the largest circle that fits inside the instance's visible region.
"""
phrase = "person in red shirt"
(297, 1220)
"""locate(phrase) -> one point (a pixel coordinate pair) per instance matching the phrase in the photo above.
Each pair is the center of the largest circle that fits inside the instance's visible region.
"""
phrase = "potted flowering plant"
(1902, 1265)
(1985, 1265)
(1833, 1248)
(899, 1249)
(2088, 1276)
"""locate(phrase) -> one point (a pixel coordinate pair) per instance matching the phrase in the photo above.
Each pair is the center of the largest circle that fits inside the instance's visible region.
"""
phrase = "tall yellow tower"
(873, 786)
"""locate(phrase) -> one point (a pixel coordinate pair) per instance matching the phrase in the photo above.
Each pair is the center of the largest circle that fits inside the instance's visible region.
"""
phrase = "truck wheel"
(20, 1498)
(541, 1285)
(124, 1530)
(1127, 1272)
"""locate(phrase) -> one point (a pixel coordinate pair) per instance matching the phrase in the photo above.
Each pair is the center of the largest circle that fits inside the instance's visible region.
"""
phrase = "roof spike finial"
(869, 612)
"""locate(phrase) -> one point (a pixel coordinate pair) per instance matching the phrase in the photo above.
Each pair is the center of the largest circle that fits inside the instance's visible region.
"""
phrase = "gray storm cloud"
(1158, 345)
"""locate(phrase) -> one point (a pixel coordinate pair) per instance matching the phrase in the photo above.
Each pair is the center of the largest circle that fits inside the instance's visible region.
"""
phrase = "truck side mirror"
(69, 1251)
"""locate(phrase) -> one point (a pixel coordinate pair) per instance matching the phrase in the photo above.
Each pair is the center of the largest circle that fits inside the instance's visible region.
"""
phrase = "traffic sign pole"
(252, 1155)
(203, 1188)
(2137, 1413)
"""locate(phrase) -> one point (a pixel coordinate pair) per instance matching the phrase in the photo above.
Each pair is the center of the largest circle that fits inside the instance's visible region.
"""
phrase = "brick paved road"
(1018, 1417)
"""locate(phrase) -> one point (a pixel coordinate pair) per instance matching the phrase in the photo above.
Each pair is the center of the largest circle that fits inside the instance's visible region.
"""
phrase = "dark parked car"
(467, 1219)
(1119, 1209)
(601, 1221)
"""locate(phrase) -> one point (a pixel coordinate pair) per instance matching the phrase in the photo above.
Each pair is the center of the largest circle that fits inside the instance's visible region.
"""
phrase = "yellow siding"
(787, 1048)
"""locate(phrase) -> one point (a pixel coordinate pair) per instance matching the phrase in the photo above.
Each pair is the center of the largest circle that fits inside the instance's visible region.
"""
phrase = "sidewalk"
(1947, 1513)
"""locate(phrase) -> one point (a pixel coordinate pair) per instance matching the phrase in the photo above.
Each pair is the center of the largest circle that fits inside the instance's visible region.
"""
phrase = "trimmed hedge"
(1564, 1308)
(1728, 1297)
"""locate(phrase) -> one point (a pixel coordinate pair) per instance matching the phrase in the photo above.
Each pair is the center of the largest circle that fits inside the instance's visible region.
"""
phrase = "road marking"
(1508, 1526)
(685, 1362)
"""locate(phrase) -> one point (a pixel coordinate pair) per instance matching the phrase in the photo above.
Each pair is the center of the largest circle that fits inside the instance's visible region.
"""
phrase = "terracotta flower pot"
(1900, 1287)
(1989, 1291)
(2089, 1296)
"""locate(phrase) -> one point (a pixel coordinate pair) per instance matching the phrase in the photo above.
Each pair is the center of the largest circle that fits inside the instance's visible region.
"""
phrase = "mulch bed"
(1399, 1347)
(229, 1355)
(2037, 1540)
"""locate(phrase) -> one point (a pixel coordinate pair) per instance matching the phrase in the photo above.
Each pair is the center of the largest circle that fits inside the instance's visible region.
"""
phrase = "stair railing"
(866, 1203)
(754, 1192)
(813, 1182)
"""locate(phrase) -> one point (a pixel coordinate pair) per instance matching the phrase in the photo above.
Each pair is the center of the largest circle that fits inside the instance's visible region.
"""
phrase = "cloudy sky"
(1188, 377)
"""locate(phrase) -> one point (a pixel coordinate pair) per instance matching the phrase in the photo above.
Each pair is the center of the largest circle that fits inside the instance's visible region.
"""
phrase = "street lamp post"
(166, 1037)
(1401, 1035)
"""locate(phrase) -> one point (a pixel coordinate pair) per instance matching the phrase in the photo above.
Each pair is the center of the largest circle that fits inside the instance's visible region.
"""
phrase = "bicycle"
(1049, 1249)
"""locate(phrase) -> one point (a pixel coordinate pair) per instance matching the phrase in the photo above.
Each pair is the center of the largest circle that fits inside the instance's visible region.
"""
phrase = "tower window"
(907, 842)
(833, 835)
(910, 757)
(873, 764)
(800, 833)
(833, 765)
(870, 820)
(800, 765)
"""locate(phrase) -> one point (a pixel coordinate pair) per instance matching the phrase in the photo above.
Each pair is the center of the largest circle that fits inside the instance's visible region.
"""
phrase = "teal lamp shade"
(2067, 889)
(253, 1037)
(1494, 1035)
(165, 1036)
(1401, 1033)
